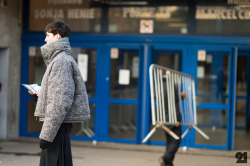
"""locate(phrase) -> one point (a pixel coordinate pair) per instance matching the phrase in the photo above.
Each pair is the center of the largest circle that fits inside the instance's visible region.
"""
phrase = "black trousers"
(172, 145)
(169, 155)
(59, 152)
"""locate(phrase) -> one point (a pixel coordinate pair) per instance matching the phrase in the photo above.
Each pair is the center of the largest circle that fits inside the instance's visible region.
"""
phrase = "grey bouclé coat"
(63, 97)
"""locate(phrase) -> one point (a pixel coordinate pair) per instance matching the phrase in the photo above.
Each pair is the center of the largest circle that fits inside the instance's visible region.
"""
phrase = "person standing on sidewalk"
(62, 99)
(172, 145)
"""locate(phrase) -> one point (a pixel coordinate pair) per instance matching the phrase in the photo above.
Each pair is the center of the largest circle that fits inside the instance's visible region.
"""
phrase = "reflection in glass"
(241, 83)
(212, 78)
(127, 59)
(222, 19)
(90, 54)
(241, 91)
(36, 66)
(87, 127)
(240, 114)
(159, 135)
(166, 19)
(122, 121)
(214, 124)
(33, 125)
(81, 15)
(169, 59)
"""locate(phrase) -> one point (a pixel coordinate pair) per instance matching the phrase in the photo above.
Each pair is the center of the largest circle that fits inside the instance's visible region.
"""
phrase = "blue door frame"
(230, 106)
(186, 58)
(107, 100)
(245, 51)
(145, 45)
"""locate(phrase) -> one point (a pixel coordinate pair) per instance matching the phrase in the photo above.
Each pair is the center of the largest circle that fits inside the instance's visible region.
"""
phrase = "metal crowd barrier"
(164, 83)
(86, 129)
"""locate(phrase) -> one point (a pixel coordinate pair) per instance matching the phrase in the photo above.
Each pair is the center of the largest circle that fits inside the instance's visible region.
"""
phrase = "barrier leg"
(201, 132)
(150, 134)
(185, 133)
(169, 132)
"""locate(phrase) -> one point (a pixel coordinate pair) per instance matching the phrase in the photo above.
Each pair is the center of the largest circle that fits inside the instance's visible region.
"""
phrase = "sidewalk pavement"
(25, 152)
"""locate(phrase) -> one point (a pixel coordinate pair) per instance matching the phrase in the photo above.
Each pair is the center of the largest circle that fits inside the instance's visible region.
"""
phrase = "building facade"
(10, 56)
(115, 41)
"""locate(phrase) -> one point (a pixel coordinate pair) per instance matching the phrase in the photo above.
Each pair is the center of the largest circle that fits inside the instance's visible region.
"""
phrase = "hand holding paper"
(33, 88)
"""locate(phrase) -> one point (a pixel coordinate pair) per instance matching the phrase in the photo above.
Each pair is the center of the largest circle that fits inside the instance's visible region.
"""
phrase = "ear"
(58, 36)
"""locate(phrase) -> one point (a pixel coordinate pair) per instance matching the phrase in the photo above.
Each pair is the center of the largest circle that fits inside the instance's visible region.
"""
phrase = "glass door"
(122, 100)
(87, 58)
(215, 81)
(242, 112)
(169, 56)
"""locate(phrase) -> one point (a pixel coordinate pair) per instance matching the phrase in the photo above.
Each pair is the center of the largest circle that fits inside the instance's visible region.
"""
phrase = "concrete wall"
(10, 32)
(4, 67)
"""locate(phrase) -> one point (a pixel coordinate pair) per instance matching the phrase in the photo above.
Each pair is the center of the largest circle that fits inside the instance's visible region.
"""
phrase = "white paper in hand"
(32, 87)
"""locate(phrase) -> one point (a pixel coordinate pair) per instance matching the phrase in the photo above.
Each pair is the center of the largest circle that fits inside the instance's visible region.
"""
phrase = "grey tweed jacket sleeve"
(60, 95)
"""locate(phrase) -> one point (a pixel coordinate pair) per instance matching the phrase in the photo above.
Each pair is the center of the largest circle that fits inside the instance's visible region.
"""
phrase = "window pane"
(36, 65)
(240, 114)
(214, 124)
(81, 15)
(159, 135)
(222, 20)
(212, 78)
(87, 67)
(161, 19)
(127, 60)
(169, 59)
(87, 127)
(241, 83)
(33, 125)
(122, 121)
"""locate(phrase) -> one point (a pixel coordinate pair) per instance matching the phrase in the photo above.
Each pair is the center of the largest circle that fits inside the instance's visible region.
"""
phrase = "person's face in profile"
(51, 37)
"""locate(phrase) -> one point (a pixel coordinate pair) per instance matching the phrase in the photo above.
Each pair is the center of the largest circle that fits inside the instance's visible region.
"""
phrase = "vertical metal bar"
(178, 94)
(190, 101)
(185, 101)
(161, 97)
(174, 111)
(168, 96)
(156, 94)
(163, 101)
(187, 92)
(158, 100)
(194, 103)
(180, 98)
(151, 71)
(171, 97)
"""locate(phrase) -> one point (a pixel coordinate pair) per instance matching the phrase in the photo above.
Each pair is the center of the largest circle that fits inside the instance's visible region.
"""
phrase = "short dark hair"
(58, 28)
